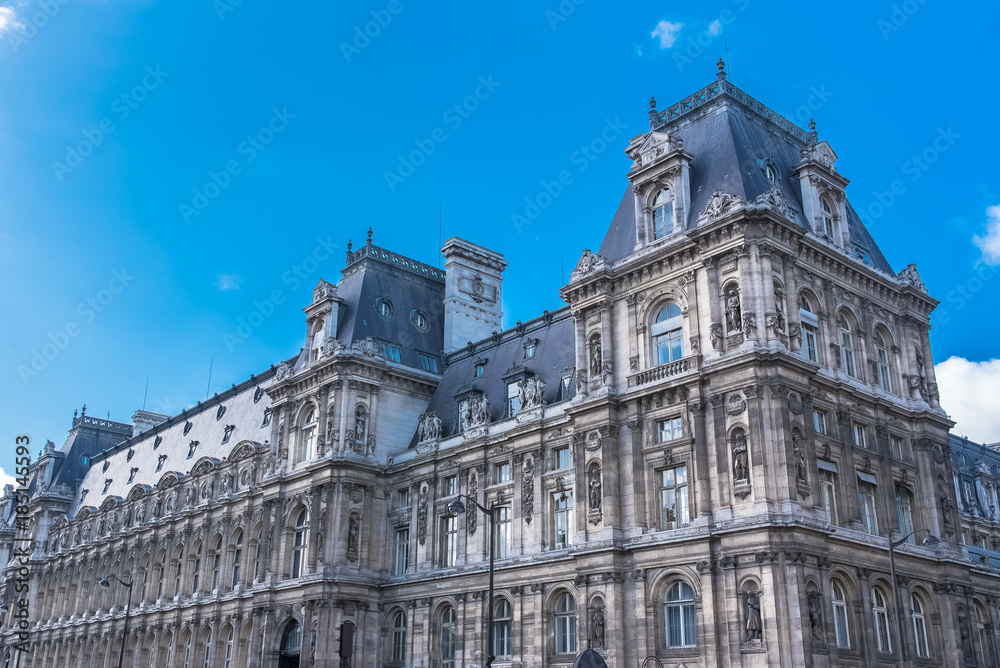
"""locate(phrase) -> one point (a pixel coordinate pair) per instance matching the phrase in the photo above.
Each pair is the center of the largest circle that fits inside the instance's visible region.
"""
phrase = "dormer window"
(159, 462)
(85, 460)
(130, 455)
(384, 307)
(131, 474)
(428, 362)
(106, 465)
(267, 417)
(317, 341)
(229, 432)
(157, 441)
(663, 214)
(419, 320)
(479, 370)
(391, 352)
(770, 173)
(826, 209)
(107, 484)
(529, 350)
(191, 448)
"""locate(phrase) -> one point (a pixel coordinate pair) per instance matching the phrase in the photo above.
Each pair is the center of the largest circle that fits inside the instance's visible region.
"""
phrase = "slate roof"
(727, 133)
(554, 356)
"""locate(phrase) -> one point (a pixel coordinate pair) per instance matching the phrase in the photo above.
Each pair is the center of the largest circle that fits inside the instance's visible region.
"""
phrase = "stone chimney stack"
(473, 275)
(146, 420)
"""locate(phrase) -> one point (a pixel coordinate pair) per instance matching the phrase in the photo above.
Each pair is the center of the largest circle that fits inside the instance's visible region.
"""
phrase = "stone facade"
(702, 458)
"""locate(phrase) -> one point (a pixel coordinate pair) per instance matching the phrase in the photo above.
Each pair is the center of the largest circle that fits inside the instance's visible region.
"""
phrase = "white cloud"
(715, 27)
(8, 20)
(990, 244)
(667, 32)
(968, 393)
(6, 479)
(230, 281)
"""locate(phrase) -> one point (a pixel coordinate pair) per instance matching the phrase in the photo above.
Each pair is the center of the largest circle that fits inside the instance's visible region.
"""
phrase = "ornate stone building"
(698, 459)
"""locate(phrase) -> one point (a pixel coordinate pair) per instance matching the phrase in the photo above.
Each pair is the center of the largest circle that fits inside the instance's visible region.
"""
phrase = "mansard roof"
(242, 407)
(503, 355)
(731, 136)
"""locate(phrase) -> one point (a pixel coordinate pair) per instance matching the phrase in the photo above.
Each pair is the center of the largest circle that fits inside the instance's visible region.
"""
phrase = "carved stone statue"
(741, 460)
(171, 502)
(597, 625)
(595, 356)
(360, 423)
(140, 513)
(965, 631)
(595, 489)
(753, 625)
(734, 317)
(800, 458)
(528, 490)
(815, 615)
(353, 527)
(779, 310)
(909, 276)
(530, 392)
(477, 412)
(429, 427)
(715, 334)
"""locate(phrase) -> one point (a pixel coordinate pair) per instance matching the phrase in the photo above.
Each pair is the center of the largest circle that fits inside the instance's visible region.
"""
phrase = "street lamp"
(457, 508)
(930, 540)
(128, 608)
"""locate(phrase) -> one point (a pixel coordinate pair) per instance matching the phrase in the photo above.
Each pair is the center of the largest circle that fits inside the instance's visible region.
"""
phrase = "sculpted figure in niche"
(140, 513)
(595, 356)
(597, 624)
(753, 626)
(530, 392)
(352, 537)
(800, 456)
(360, 422)
(741, 460)
(595, 489)
(734, 317)
(779, 315)
(815, 615)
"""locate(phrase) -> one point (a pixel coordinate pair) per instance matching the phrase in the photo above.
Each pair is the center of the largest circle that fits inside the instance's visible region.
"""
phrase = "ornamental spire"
(722, 68)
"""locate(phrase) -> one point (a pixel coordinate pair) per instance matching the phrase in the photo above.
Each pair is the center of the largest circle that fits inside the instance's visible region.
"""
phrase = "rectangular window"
(869, 518)
(450, 485)
(859, 436)
(267, 417)
(828, 484)
(819, 422)
(463, 409)
(847, 352)
(668, 430)
(561, 457)
(896, 446)
(904, 510)
(449, 541)
(562, 521)
(391, 352)
(673, 498)
(513, 399)
(809, 343)
(501, 472)
(427, 362)
(529, 351)
(403, 497)
(502, 538)
(480, 369)
(402, 551)
(565, 388)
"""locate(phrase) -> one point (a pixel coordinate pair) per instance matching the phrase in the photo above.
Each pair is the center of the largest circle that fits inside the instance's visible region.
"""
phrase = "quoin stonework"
(701, 458)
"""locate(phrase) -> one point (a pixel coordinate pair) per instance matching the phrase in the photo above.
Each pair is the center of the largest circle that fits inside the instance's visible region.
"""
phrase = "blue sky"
(167, 167)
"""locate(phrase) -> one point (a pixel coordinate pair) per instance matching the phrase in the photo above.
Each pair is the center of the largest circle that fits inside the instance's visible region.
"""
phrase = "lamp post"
(128, 608)
(457, 508)
(930, 540)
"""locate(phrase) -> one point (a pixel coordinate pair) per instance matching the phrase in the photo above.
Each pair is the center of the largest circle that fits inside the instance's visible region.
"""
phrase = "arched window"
(565, 624)
(449, 637)
(667, 333)
(399, 637)
(882, 360)
(846, 346)
(841, 624)
(208, 652)
(810, 327)
(237, 560)
(216, 563)
(880, 615)
(904, 511)
(256, 554)
(502, 621)
(229, 651)
(161, 575)
(827, 212)
(299, 545)
(187, 650)
(196, 580)
(291, 640)
(663, 214)
(307, 437)
(317, 340)
(919, 626)
(178, 569)
(679, 615)
(985, 631)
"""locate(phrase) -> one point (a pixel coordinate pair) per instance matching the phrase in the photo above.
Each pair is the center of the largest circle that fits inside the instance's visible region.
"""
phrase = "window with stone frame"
(679, 616)
(673, 497)
(663, 213)
(667, 331)
(564, 625)
(866, 496)
(847, 352)
(402, 557)
(904, 513)
(562, 520)
(827, 212)
(841, 616)
(883, 363)
(669, 429)
(449, 541)
(809, 328)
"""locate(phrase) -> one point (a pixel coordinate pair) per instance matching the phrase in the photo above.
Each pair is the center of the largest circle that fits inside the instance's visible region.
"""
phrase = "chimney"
(471, 293)
(146, 420)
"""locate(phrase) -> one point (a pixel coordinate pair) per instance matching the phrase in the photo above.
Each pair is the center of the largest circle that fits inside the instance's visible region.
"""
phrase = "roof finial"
(652, 102)
(812, 124)
(369, 236)
(722, 68)
(83, 413)
(813, 135)
(349, 245)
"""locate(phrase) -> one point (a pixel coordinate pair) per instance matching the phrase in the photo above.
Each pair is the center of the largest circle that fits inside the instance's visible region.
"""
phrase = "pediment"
(653, 146)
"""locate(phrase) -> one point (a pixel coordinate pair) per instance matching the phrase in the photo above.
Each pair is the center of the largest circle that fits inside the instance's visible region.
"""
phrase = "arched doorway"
(291, 645)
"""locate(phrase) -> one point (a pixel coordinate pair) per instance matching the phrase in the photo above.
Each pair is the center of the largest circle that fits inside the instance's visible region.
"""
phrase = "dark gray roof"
(503, 353)
(727, 138)
(374, 273)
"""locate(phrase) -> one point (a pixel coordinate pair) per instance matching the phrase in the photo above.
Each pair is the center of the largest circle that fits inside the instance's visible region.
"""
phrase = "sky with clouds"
(158, 191)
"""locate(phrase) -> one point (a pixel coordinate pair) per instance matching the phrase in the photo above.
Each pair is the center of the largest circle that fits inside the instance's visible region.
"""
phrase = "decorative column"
(749, 298)
(765, 288)
(702, 473)
(343, 415)
(371, 441)
(607, 343)
(716, 331)
(582, 354)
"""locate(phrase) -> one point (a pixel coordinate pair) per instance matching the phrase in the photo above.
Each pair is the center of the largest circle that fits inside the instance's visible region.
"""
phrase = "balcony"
(664, 371)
